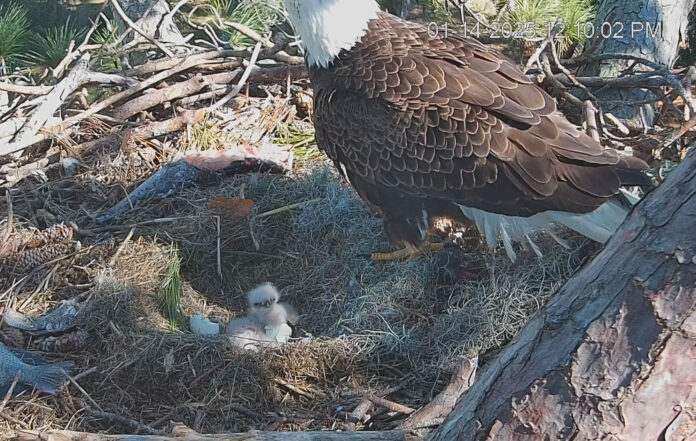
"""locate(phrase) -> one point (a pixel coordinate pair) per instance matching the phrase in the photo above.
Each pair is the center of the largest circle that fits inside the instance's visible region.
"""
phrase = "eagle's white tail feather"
(598, 225)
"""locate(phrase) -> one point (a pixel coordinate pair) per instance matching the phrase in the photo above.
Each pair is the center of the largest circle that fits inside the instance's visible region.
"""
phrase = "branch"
(549, 39)
(25, 90)
(52, 102)
(132, 25)
(441, 406)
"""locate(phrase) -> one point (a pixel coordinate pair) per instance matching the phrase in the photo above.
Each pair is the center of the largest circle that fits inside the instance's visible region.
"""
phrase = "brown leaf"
(235, 207)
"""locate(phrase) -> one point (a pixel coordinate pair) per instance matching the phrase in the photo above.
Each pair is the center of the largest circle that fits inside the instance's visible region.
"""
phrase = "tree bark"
(157, 22)
(152, 18)
(651, 29)
(613, 355)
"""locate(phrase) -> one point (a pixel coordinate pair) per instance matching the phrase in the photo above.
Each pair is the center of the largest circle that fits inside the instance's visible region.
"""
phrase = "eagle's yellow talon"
(408, 253)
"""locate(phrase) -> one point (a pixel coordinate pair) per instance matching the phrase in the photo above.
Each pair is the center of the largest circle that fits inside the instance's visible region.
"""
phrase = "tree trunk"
(651, 29)
(157, 23)
(613, 355)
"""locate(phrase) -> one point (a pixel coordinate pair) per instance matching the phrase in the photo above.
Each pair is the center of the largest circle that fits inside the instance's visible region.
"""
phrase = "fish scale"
(46, 377)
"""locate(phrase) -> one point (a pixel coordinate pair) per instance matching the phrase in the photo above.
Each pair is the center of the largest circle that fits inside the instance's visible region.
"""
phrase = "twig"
(122, 247)
(181, 66)
(89, 371)
(463, 7)
(58, 71)
(8, 395)
(357, 414)
(394, 407)
(662, 70)
(590, 116)
(551, 79)
(182, 433)
(14, 420)
(686, 82)
(25, 90)
(128, 422)
(133, 26)
(617, 122)
(78, 76)
(545, 42)
(569, 75)
(247, 31)
(365, 405)
(584, 57)
(294, 389)
(288, 208)
(52, 102)
(242, 81)
(84, 392)
(219, 250)
(9, 226)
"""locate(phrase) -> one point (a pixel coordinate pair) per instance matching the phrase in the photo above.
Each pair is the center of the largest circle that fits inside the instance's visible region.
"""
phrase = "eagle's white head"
(328, 26)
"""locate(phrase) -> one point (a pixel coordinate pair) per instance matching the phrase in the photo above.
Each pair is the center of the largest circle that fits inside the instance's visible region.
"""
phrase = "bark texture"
(613, 355)
(157, 22)
(651, 29)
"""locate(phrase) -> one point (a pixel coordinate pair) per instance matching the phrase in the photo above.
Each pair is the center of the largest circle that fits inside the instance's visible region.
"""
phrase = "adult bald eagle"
(427, 127)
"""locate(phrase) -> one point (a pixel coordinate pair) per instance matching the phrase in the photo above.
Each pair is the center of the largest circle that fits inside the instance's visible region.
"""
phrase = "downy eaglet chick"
(266, 323)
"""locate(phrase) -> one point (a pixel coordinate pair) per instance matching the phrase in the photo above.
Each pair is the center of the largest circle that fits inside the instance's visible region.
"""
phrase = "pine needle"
(170, 292)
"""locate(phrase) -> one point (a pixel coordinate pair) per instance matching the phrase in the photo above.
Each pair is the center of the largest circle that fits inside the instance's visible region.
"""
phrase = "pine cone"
(53, 234)
(12, 337)
(31, 258)
(73, 342)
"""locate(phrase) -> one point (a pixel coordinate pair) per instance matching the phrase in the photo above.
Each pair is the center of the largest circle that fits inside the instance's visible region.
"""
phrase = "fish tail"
(51, 376)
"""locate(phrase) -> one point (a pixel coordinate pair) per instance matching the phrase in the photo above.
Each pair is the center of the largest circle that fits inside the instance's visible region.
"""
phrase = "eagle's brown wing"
(449, 118)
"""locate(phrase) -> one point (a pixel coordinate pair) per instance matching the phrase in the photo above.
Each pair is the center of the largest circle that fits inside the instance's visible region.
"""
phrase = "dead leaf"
(235, 207)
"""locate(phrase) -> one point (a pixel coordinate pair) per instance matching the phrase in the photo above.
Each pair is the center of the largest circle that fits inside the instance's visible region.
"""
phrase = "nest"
(366, 326)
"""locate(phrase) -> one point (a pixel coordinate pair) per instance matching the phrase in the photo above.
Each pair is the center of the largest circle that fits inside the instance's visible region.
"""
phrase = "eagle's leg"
(409, 252)
(409, 230)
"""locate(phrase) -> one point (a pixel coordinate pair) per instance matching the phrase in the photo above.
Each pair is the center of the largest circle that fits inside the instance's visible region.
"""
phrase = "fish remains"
(46, 377)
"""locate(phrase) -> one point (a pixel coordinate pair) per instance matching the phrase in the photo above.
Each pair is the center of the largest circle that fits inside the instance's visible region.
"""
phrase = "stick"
(52, 102)
(357, 414)
(549, 39)
(662, 70)
(242, 81)
(128, 422)
(8, 395)
(247, 31)
(394, 407)
(123, 245)
(58, 71)
(132, 25)
(551, 79)
(590, 116)
(25, 90)
(365, 405)
(9, 226)
(444, 402)
(287, 208)
(569, 75)
(294, 389)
